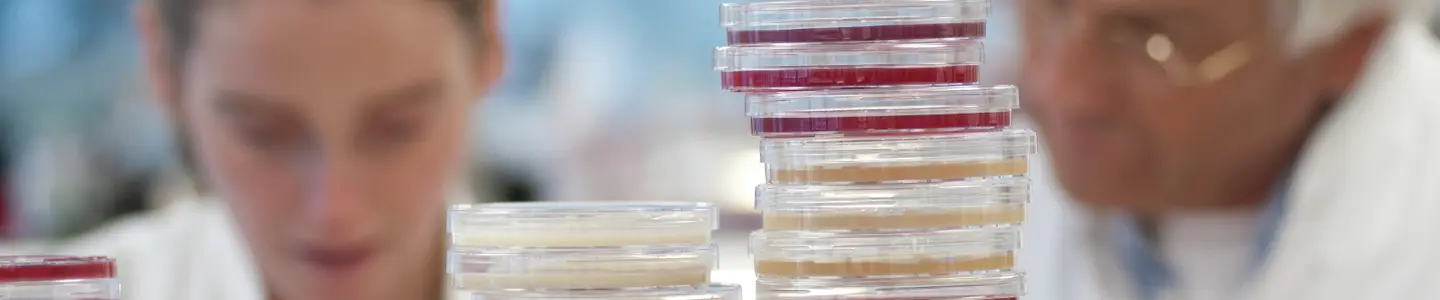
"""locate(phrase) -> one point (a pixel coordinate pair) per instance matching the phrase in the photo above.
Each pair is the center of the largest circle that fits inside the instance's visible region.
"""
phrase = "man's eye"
(1046, 9)
(1131, 32)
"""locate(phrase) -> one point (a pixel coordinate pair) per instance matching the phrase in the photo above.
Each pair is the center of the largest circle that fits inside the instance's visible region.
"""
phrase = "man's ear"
(489, 57)
(1345, 58)
(159, 65)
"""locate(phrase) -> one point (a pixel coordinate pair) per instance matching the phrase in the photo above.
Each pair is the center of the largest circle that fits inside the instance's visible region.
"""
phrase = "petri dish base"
(897, 158)
(842, 77)
(707, 292)
(939, 205)
(910, 110)
(573, 224)
(781, 67)
(997, 286)
(479, 268)
(850, 254)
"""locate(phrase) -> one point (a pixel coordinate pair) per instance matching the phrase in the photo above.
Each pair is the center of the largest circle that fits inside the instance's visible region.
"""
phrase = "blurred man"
(1245, 149)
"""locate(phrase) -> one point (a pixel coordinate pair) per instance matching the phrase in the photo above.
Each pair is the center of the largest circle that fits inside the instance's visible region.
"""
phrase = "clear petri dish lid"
(806, 21)
(931, 53)
(570, 224)
(802, 245)
(785, 153)
(924, 108)
(901, 196)
(20, 269)
(707, 292)
(991, 286)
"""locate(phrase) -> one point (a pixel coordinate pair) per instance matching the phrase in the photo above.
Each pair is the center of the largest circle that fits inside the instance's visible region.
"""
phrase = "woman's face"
(332, 129)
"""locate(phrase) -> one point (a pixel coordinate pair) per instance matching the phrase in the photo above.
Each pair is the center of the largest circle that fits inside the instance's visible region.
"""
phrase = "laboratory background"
(602, 100)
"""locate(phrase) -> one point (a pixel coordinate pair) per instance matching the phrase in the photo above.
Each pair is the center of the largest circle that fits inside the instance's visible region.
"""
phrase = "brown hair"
(178, 19)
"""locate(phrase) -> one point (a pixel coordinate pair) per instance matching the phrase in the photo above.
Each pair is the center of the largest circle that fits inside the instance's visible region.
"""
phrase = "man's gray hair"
(1311, 23)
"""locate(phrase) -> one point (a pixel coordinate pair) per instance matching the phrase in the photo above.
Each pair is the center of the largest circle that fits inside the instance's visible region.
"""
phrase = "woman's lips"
(336, 259)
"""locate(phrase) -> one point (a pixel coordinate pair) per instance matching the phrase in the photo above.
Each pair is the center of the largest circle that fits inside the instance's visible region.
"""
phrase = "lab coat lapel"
(218, 267)
(1365, 200)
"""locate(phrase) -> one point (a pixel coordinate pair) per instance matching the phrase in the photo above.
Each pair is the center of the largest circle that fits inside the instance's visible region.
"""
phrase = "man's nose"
(1073, 70)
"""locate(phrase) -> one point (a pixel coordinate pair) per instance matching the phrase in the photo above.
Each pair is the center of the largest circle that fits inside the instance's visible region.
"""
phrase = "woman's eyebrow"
(236, 103)
(419, 93)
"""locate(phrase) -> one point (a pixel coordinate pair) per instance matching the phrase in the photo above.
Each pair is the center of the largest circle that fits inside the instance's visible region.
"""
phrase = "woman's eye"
(396, 132)
(397, 126)
(270, 137)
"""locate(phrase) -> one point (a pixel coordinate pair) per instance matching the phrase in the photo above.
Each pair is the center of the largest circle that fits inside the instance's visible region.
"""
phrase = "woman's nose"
(335, 193)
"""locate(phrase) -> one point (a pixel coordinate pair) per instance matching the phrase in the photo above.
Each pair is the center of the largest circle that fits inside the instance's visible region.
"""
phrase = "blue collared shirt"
(1151, 275)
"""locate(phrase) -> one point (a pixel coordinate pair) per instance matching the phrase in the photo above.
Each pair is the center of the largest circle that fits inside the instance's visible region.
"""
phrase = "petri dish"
(580, 268)
(897, 158)
(998, 286)
(852, 20)
(938, 205)
(781, 67)
(572, 224)
(708, 292)
(859, 254)
(58, 277)
(912, 109)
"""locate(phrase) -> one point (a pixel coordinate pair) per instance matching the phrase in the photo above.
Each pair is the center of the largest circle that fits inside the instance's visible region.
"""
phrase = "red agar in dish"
(812, 78)
(47, 268)
(860, 33)
(761, 126)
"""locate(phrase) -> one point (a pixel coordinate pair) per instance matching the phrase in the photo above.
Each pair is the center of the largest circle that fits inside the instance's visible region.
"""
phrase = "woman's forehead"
(342, 51)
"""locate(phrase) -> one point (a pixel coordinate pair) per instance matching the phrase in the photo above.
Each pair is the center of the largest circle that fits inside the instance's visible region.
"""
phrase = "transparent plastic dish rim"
(906, 147)
(994, 285)
(965, 193)
(563, 216)
(706, 292)
(803, 244)
(600, 251)
(743, 16)
(938, 52)
(918, 100)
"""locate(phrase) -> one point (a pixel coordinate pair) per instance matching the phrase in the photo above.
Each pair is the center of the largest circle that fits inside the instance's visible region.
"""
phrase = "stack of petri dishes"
(891, 174)
(58, 278)
(584, 251)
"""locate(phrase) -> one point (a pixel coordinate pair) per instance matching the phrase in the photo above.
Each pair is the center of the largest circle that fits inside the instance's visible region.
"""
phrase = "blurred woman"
(327, 137)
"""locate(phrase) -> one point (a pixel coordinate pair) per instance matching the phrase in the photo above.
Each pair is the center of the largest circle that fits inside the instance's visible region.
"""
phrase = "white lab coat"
(190, 249)
(1363, 203)
(1364, 206)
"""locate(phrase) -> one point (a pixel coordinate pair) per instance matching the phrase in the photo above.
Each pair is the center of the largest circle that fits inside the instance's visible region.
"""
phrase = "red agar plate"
(780, 67)
(49, 268)
(851, 111)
